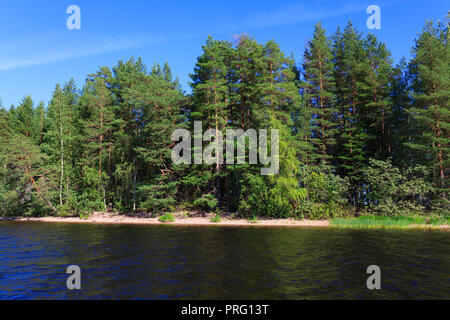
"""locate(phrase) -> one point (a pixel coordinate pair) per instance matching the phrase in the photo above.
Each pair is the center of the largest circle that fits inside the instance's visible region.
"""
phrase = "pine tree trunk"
(440, 159)
(134, 184)
(62, 166)
(41, 195)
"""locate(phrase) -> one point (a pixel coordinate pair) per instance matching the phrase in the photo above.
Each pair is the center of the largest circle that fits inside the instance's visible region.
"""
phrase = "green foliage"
(253, 219)
(167, 217)
(440, 206)
(216, 218)
(319, 86)
(84, 216)
(206, 203)
(91, 198)
(392, 191)
(323, 195)
(429, 70)
(255, 203)
(26, 177)
(324, 188)
(318, 211)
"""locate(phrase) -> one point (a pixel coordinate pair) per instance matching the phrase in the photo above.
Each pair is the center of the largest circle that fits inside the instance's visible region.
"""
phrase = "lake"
(173, 262)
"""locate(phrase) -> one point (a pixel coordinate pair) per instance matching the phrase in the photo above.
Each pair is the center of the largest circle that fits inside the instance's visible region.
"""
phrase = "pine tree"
(24, 115)
(98, 117)
(430, 70)
(278, 97)
(375, 110)
(127, 127)
(246, 65)
(59, 137)
(210, 102)
(27, 175)
(245, 69)
(401, 124)
(319, 94)
(160, 104)
(38, 122)
(348, 56)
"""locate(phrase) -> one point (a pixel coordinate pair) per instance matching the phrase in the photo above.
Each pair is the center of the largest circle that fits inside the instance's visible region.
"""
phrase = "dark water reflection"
(171, 262)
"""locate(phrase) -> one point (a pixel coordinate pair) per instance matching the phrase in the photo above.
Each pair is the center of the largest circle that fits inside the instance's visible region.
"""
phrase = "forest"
(358, 134)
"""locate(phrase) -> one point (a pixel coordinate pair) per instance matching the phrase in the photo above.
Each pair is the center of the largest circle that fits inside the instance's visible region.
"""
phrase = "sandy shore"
(181, 220)
(184, 219)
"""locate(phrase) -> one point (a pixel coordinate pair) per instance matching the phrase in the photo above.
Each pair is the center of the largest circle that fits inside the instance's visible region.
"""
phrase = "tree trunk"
(62, 166)
(41, 195)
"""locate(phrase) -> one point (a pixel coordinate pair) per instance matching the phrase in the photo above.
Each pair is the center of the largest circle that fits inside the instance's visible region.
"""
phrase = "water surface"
(174, 262)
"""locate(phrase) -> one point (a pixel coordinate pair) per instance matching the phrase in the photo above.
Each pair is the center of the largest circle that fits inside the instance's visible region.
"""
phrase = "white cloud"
(314, 10)
(299, 12)
(40, 50)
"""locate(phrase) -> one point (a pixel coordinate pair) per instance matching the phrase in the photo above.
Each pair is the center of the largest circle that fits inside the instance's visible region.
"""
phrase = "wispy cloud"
(300, 12)
(34, 50)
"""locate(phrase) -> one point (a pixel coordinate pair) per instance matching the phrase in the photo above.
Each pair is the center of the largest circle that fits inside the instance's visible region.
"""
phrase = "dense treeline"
(356, 133)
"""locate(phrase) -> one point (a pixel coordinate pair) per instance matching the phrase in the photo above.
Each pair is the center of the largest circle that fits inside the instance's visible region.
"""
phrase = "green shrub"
(317, 211)
(324, 195)
(270, 196)
(206, 203)
(216, 218)
(168, 217)
(84, 216)
(158, 197)
(324, 187)
(254, 198)
(394, 192)
(253, 219)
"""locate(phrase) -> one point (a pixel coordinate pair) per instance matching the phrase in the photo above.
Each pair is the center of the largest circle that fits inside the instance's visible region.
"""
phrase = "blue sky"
(37, 50)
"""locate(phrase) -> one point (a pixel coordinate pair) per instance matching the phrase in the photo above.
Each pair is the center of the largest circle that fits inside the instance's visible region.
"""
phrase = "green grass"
(84, 216)
(253, 219)
(388, 222)
(216, 218)
(166, 218)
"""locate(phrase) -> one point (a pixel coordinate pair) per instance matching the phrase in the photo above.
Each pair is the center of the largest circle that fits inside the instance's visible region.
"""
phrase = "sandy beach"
(181, 219)
(188, 219)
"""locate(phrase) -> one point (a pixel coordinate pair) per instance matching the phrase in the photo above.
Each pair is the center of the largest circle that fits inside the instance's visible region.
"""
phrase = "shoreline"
(182, 220)
(99, 218)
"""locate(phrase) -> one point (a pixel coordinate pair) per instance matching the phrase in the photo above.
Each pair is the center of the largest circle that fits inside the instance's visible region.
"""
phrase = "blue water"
(172, 262)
